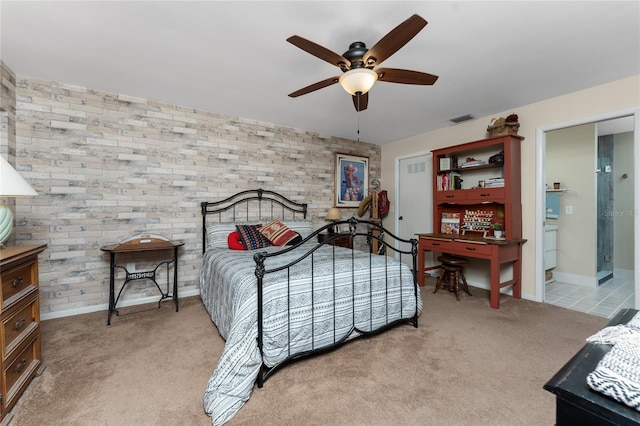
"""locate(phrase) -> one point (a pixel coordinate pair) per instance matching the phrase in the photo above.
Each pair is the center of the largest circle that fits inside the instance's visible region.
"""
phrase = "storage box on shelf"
(471, 168)
(20, 331)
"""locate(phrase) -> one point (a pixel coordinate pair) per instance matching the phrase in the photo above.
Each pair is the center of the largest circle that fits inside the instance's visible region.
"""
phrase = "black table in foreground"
(576, 402)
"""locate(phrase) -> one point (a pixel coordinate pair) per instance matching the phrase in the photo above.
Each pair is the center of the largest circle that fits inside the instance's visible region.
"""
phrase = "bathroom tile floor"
(604, 301)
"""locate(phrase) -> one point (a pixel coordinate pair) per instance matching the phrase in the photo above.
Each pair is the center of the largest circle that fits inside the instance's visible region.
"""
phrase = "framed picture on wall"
(351, 180)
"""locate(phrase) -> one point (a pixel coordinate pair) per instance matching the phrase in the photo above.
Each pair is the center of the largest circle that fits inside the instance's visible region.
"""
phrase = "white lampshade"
(333, 214)
(12, 185)
(358, 80)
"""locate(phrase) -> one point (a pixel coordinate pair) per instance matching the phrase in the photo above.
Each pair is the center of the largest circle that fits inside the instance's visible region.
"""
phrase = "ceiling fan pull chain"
(358, 116)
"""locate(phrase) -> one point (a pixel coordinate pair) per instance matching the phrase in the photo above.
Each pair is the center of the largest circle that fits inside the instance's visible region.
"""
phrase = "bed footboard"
(350, 293)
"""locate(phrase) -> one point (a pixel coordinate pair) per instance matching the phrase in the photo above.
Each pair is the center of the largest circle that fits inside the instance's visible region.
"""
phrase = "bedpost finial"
(259, 259)
(353, 225)
(414, 246)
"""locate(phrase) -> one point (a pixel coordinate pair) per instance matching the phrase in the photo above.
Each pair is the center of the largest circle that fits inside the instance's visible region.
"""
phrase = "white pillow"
(217, 233)
(302, 227)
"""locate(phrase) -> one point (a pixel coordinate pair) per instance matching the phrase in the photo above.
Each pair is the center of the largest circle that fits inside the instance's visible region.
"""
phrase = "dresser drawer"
(20, 370)
(437, 245)
(459, 248)
(18, 281)
(18, 324)
(471, 196)
(484, 195)
(20, 357)
(476, 249)
(453, 196)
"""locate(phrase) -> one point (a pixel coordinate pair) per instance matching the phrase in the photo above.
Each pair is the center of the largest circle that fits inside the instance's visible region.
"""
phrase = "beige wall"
(571, 160)
(614, 96)
(108, 166)
(623, 227)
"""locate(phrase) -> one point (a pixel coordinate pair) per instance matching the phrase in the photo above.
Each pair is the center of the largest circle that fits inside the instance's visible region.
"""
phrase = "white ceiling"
(232, 58)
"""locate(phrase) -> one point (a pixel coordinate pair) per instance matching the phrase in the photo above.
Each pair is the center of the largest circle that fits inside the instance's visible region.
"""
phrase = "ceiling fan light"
(358, 80)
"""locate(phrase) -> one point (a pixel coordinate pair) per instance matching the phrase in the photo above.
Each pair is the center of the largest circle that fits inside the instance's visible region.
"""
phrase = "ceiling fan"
(358, 63)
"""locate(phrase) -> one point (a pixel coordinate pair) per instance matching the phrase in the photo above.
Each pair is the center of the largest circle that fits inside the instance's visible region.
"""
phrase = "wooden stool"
(452, 275)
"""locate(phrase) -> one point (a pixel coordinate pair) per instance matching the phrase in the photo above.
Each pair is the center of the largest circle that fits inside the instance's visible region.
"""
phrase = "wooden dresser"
(339, 240)
(20, 314)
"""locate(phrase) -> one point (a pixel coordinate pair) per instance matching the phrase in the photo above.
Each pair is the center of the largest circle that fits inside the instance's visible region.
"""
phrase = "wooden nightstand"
(343, 240)
(20, 330)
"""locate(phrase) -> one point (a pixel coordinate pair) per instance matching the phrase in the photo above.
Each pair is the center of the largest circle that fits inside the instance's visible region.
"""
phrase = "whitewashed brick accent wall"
(108, 166)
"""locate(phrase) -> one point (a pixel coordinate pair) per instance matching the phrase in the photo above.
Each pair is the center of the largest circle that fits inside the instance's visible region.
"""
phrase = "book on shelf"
(449, 181)
(450, 223)
(444, 181)
(472, 163)
(454, 180)
(494, 182)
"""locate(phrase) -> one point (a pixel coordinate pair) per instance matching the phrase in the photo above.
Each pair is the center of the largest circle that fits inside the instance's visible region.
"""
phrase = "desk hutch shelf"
(479, 183)
(503, 199)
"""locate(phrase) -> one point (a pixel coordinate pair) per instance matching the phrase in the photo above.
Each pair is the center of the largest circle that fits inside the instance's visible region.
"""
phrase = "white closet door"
(415, 196)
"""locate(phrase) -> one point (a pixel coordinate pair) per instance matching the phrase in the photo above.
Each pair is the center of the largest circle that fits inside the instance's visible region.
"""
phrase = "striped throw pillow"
(251, 237)
(277, 233)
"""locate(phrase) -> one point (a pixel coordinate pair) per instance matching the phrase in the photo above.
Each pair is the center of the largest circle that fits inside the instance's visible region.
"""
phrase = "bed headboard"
(253, 204)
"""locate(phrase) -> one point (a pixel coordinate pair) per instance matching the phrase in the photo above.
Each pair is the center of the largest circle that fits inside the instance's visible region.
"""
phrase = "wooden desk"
(497, 252)
(140, 243)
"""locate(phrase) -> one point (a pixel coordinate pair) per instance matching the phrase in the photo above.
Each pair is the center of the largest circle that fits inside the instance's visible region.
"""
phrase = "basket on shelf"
(501, 127)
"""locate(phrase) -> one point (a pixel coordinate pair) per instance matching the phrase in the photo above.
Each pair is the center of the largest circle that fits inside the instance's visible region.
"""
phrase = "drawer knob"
(17, 282)
(21, 365)
(19, 324)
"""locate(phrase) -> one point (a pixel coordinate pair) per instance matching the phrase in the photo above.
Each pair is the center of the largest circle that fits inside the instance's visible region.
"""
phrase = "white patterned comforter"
(228, 290)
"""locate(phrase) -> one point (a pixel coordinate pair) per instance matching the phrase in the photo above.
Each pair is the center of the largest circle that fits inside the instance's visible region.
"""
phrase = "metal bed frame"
(274, 205)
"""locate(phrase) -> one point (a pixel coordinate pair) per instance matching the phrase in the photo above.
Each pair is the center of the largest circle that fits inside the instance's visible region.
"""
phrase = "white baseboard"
(105, 306)
(624, 274)
(487, 286)
(591, 282)
(506, 290)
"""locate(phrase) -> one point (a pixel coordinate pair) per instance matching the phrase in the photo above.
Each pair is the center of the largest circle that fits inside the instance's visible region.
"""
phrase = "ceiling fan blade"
(362, 103)
(313, 87)
(395, 75)
(319, 51)
(394, 40)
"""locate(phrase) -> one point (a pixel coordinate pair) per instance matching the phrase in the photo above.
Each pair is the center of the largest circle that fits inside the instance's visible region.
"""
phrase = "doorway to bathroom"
(589, 204)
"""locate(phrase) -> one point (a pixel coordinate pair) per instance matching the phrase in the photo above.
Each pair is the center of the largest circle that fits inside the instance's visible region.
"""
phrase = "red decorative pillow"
(277, 233)
(234, 241)
(251, 237)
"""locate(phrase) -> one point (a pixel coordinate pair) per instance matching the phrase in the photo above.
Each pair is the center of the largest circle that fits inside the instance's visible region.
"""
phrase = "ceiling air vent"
(462, 118)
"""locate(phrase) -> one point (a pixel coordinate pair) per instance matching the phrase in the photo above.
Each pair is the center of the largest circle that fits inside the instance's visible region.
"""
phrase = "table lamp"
(333, 215)
(12, 185)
